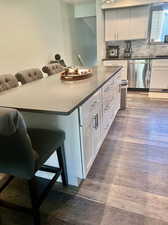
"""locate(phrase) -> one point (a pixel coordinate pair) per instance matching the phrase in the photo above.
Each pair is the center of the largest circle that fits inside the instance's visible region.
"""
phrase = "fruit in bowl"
(71, 74)
(76, 71)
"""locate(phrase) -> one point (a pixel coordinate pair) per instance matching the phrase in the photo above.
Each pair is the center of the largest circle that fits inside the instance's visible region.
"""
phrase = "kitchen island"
(84, 109)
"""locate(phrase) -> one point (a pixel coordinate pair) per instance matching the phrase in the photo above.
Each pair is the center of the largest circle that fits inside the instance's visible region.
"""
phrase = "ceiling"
(79, 1)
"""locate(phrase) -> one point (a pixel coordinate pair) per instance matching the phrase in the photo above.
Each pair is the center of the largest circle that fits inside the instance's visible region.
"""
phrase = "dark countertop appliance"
(128, 50)
(112, 52)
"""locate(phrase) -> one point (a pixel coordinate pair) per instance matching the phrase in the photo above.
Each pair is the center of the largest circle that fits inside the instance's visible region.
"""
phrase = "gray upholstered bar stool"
(52, 69)
(7, 81)
(24, 152)
(29, 75)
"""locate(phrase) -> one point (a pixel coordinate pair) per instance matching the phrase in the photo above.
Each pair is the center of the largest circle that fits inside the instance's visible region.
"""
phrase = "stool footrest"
(48, 188)
(10, 205)
(50, 169)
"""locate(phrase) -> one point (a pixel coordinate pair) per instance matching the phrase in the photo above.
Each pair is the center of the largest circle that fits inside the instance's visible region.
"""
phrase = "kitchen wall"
(86, 44)
(142, 48)
(33, 31)
(100, 32)
(86, 33)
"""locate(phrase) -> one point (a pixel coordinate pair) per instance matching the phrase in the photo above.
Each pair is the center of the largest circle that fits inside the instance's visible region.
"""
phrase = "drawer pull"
(107, 89)
(95, 121)
(93, 104)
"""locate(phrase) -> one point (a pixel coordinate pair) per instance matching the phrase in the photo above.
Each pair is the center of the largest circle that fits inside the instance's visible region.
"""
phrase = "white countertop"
(55, 96)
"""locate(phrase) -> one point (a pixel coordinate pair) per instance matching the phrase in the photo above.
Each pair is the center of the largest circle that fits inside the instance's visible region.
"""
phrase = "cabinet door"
(90, 119)
(123, 24)
(110, 25)
(159, 78)
(139, 22)
(87, 146)
(96, 131)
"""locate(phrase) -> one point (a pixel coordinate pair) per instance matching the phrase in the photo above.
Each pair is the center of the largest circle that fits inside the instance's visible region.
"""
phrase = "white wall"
(33, 31)
(100, 32)
(86, 33)
(86, 40)
(85, 10)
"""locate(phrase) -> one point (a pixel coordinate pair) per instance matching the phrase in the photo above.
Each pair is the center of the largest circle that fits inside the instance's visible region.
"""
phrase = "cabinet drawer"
(115, 63)
(107, 87)
(159, 78)
(160, 63)
(90, 106)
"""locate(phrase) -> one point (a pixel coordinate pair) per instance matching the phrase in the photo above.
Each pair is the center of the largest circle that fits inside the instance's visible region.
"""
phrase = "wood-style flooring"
(128, 183)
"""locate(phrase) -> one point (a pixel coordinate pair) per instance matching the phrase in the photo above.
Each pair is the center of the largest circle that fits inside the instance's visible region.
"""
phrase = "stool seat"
(52, 69)
(44, 143)
(24, 152)
(29, 75)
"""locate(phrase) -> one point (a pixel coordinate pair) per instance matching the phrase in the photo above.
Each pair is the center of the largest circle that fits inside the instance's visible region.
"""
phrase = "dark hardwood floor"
(128, 183)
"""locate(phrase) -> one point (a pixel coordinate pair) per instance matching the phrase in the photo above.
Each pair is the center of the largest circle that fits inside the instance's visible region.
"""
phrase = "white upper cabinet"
(139, 22)
(110, 25)
(126, 24)
(123, 24)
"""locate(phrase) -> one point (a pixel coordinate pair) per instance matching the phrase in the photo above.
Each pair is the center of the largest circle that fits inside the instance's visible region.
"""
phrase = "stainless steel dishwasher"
(139, 74)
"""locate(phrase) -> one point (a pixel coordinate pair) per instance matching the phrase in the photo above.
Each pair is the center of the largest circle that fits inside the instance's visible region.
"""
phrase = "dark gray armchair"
(53, 69)
(7, 81)
(29, 75)
(23, 152)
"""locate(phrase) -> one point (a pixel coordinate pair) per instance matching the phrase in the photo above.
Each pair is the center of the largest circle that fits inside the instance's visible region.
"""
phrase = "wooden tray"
(74, 77)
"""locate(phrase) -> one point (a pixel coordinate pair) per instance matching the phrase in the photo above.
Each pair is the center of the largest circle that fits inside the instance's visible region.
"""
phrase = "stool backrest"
(29, 75)
(53, 69)
(7, 81)
(17, 156)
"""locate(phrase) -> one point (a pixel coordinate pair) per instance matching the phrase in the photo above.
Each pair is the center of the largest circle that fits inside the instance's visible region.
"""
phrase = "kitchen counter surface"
(137, 58)
(55, 96)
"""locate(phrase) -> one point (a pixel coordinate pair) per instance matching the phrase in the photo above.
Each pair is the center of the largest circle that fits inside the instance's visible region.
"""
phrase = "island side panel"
(70, 125)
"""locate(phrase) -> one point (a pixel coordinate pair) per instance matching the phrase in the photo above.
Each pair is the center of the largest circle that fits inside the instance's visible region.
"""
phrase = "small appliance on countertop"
(128, 50)
(112, 52)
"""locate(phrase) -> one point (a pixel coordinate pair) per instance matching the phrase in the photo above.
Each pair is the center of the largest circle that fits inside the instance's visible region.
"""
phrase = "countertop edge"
(134, 58)
(76, 106)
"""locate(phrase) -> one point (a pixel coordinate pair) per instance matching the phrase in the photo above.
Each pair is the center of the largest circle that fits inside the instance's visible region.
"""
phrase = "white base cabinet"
(97, 115)
(85, 129)
(90, 128)
(159, 75)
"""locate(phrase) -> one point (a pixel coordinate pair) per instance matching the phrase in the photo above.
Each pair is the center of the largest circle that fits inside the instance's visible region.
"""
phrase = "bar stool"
(29, 75)
(53, 69)
(24, 152)
(7, 81)
(58, 60)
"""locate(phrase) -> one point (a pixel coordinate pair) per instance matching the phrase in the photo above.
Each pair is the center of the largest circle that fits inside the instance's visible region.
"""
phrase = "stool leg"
(62, 164)
(35, 206)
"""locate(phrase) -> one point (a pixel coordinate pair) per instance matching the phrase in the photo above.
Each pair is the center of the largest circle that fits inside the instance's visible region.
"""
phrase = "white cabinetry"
(96, 117)
(111, 102)
(123, 24)
(159, 75)
(139, 22)
(126, 24)
(85, 128)
(110, 25)
(123, 63)
(91, 119)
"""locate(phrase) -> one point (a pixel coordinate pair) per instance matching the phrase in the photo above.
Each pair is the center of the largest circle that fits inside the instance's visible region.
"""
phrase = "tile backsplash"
(142, 48)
